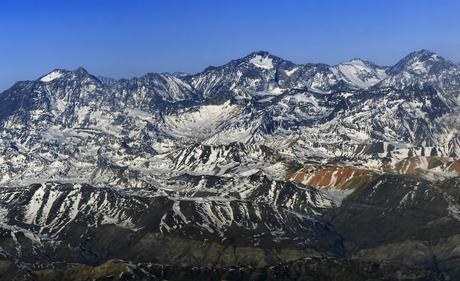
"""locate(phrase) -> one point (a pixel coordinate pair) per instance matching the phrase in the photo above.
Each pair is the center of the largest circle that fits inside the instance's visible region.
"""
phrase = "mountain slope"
(257, 161)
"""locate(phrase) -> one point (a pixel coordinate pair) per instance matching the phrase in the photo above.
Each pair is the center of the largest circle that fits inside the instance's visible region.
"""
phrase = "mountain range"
(257, 162)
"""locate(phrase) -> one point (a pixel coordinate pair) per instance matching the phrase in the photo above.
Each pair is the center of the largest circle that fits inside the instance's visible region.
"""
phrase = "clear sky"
(132, 37)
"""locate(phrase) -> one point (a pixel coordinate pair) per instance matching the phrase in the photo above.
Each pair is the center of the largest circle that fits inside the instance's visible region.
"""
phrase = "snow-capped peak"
(420, 62)
(360, 73)
(68, 74)
(423, 54)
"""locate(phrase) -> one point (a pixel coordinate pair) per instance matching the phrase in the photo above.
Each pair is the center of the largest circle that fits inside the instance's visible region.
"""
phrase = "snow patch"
(360, 74)
(291, 71)
(52, 76)
(262, 62)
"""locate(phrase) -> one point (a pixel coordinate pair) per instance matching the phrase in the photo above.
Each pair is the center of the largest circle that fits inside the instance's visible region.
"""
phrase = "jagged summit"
(359, 61)
(259, 53)
(261, 74)
(421, 62)
(64, 73)
(81, 70)
(422, 54)
(107, 80)
(355, 72)
(262, 60)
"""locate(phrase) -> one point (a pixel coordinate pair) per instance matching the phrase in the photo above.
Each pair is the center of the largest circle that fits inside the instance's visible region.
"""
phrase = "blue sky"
(132, 37)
